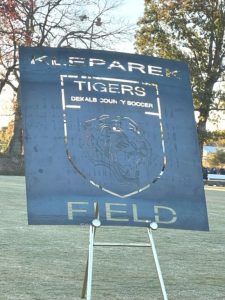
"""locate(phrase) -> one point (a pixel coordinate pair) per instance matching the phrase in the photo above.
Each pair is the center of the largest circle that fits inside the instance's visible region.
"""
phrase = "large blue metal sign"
(114, 129)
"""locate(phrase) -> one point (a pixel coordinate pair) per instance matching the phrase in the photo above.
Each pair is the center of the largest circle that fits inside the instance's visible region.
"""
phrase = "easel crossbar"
(123, 244)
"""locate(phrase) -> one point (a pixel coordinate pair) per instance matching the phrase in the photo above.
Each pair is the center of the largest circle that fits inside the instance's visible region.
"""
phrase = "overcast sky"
(131, 10)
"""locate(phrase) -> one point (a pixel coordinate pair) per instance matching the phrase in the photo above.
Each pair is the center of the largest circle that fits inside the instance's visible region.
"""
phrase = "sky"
(131, 10)
(6, 113)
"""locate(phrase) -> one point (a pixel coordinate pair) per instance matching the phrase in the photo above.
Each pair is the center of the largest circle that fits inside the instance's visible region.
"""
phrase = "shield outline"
(65, 122)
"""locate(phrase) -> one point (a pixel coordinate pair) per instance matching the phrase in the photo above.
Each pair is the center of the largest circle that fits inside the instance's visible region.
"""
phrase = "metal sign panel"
(114, 129)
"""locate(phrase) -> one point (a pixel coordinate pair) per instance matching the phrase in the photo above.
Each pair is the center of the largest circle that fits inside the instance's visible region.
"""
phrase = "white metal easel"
(87, 285)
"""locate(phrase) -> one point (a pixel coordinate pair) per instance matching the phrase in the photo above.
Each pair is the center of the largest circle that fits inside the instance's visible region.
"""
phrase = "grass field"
(48, 262)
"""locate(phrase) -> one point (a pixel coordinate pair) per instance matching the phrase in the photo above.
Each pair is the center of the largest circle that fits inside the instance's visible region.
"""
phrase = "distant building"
(207, 150)
(211, 149)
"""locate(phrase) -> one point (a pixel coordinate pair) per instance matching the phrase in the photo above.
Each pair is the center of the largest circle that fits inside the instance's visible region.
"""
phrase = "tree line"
(193, 31)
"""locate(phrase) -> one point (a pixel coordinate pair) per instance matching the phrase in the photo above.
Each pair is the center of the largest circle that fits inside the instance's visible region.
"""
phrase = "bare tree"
(55, 23)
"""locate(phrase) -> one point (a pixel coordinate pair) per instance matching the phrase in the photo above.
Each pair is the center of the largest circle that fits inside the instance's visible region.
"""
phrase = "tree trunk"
(13, 160)
(206, 100)
(202, 132)
(15, 148)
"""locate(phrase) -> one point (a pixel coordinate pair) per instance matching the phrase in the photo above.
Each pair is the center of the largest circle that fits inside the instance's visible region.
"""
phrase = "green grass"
(48, 262)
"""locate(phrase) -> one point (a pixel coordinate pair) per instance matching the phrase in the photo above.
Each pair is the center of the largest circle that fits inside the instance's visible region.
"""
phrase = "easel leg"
(89, 265)
(84, 289)
(90, 261)
(157, 264)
